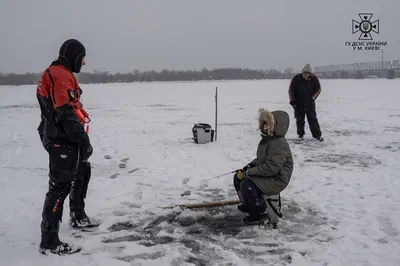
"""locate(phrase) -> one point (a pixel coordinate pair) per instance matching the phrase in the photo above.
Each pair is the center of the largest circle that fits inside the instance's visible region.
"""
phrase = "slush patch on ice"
(381, 241)
(127, 238)
(349, 159)
(392, 128)
(143, 256)
(121, 226)
(207, 232)
(392, 146)
(308, 143)
(236, 124)
(186, 193)
(165, 107)
(131, 205)
(349, 132)
(214, 194)
(19, 106)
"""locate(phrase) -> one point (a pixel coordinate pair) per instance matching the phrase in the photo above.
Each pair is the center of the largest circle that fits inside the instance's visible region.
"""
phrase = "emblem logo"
(365, 26)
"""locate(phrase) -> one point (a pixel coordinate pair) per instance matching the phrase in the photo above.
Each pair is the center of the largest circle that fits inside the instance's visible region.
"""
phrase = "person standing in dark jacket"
(63, 135)
(304, 89)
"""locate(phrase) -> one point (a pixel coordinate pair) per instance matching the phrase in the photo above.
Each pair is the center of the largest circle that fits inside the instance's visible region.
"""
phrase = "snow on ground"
(341, 207)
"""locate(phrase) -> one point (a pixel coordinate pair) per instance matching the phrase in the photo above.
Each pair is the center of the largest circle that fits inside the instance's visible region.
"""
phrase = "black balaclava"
(71, 53)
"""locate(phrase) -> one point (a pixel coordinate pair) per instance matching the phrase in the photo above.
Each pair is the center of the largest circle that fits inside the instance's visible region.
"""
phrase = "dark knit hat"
(71, 54)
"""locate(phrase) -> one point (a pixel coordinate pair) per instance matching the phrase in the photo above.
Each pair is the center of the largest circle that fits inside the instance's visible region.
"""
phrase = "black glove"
(247, 167)
(293, 103)
(244, 169)
(85, 153)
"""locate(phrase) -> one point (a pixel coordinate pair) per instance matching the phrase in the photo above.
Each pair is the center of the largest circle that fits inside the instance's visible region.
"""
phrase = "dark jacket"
(272, 169)
(303, 92)
(58, 95)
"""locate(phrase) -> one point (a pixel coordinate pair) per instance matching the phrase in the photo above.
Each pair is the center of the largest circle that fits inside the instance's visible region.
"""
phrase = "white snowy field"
(342, 206)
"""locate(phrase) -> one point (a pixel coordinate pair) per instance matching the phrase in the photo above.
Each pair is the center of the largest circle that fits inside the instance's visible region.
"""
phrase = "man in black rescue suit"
(304, 89)
(64, 137)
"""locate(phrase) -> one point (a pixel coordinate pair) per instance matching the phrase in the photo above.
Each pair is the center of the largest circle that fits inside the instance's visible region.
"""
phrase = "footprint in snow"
(113, 176)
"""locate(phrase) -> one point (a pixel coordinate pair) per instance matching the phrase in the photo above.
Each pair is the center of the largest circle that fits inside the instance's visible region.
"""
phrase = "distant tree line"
(151, 76)
(167, 75)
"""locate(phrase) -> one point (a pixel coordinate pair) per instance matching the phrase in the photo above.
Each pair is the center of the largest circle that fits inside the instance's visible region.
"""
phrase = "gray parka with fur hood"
(272, 169)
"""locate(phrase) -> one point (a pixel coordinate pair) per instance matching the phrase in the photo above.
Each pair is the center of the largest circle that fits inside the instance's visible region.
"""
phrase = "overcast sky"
(123, 35)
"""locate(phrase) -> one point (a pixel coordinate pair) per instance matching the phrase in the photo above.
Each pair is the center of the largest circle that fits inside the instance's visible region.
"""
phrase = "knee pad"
(273, 208)
(54, 203)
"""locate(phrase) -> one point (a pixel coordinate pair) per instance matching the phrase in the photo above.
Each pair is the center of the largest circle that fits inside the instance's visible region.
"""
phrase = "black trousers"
(70, 177)
(300, 112)
(250, 196)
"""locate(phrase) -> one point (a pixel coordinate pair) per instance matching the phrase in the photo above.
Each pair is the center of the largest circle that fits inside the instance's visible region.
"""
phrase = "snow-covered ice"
(342, 206)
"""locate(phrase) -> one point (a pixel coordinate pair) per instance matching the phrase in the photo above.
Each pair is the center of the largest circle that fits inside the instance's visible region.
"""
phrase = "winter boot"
(255, 219)
(242, 208)
(81, 220)
(51, 243)
(61, 249)
(78, 217)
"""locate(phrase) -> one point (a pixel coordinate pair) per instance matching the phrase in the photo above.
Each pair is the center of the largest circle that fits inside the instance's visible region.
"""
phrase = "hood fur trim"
(266, 122)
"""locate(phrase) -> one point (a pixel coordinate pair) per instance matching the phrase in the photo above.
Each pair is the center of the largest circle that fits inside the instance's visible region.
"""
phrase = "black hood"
(71, 54)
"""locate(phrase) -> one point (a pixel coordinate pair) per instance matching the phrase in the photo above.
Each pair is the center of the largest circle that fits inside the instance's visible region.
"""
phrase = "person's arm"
(41, 128)
(273, 163)
(316, 88)
(292, 88)
(66, 116)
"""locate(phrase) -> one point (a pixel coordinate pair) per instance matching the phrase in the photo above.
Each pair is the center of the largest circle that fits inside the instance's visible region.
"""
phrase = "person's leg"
(313, 122)
(299, 114)
(78, 195)
(62, 166)
(252, 199)
(52, 214)
(78, 216)
(236, 183)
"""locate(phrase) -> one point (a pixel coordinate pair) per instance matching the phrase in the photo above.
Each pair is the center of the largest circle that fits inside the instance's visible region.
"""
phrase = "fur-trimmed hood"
(274, 123)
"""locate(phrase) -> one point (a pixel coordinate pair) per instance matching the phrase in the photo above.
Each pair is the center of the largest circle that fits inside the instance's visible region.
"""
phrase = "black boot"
(51, 218)
(51, 243)
(78, 217)
(242, 208)
(81, 220)
(61, 249)
(255, 219)
(321, 139)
